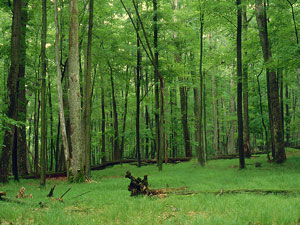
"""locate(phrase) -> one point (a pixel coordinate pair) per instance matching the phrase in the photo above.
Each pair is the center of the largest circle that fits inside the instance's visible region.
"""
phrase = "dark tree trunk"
(273, 92)
(51, 128)
(22, 101)
(186, 133)
(287, 115)
(116, 147)
(156, 79)
(138, 84)
(147, 118)
(8, 144)
(246, 132)
(239, 85)
(125, 117)
(103, 121)
(87, 96)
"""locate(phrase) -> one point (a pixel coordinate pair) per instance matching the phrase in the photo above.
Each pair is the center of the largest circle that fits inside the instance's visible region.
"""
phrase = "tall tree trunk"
(246, 131)
(103, 123)
(51, 127)
(87, 95)
(215, 114)
(62, 123)
(22, 101)
(43, 95)
(156, 79)
(239, 84)
(204, 116)
(231, 142)
(138, 84)
(186, 133)
(274, 106)
(8, 144)
(74, 93)
(147, 119)
(116, 147)
(125, 116)
(287, 115)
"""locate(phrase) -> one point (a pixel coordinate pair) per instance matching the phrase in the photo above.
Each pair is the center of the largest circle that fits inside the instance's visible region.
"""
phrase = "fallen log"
(148, 161)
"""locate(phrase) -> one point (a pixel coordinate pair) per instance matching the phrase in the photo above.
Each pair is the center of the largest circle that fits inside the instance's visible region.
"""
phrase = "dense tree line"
(82, 84)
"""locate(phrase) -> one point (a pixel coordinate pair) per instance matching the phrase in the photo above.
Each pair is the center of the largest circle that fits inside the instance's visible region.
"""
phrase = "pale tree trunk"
(74, 93)
(43, 95)
(125, 116)
(87, 96)
(60, 97)
(8, 144)
(273, 92)
(231, 143)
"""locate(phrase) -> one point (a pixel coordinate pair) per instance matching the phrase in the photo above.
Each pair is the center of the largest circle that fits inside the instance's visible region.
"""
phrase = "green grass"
(109, 202)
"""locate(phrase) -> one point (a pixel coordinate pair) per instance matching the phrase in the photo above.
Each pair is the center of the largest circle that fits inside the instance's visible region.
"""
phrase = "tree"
(62, 123)
(74, 93)
(9, 144)
(43, 94)
(239, 85)
(87, 95)
(276, 128)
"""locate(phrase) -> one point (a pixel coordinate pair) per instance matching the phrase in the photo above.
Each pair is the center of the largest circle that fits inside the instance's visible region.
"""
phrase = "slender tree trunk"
(116, 149)
(287, 115)
(231, 142)
(215, 115)
(125, 117)
(43, 95)
(204, 116)
(156, 79)
(246, 131)
(87, 95)
(74, 93)
(239, 85)
(147, 118)
(273, 92)
(51, 127)
(8, 144)
(22, 101)
(62, 123)
(138, 83)
(103, 123)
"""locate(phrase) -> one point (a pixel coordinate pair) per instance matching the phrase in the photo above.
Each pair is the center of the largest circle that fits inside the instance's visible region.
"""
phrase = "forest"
(85, 84)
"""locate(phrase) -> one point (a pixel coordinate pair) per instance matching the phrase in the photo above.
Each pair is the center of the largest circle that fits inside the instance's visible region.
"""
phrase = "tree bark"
(62, 123)
(239, 85)
(274, 106)
(8, 144)
(102, 121)
(231, 142)
(138, 84)
(22, 101)
(43, 94)
(87, 95)
(246, 131)
(116, 149)
(215, 115)
(74, 94)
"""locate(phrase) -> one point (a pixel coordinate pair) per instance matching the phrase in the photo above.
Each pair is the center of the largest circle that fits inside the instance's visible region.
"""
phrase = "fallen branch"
(80, 195)
(51, 191)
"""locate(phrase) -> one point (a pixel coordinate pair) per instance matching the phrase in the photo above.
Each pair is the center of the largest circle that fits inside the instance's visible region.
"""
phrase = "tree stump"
(138, 186)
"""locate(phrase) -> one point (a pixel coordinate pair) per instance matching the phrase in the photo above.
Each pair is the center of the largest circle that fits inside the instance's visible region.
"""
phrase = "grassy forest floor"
(108, 200)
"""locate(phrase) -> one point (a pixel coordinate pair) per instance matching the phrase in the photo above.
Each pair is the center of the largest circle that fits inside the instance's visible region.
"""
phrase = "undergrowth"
(106, 200)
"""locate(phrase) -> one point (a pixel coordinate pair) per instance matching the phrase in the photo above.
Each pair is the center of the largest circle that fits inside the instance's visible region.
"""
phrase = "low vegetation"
(106, 200)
